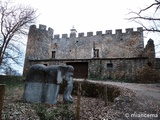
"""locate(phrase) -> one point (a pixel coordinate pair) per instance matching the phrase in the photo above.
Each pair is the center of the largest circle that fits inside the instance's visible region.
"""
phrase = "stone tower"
(38, 44)
(150, 52)
(73, 32)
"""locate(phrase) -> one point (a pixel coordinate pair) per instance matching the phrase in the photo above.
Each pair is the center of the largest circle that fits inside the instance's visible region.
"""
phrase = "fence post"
(2, 91)
(78, 101)
(105, 96)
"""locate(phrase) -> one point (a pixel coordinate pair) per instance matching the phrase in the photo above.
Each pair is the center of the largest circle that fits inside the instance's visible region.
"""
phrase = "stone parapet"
(107, 32)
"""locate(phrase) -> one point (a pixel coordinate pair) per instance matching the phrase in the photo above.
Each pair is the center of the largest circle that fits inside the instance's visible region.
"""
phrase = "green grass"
(12, 84)
(49, 113)
(11, 81)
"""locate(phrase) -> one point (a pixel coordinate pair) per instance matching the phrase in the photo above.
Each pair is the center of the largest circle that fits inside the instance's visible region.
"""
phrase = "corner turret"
(150, 51)
(73, 32)
(38, 44)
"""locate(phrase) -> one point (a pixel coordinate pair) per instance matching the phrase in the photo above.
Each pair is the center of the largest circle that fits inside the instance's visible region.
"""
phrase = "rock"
(121, 99)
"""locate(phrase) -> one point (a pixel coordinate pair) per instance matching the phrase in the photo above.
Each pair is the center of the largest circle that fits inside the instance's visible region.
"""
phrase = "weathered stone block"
(33, 91)
(42, 27)
(81, 35)
(108, 32)
(99, 33)
(64, 35)
(89, 34)
(129, 30)
(42, 83)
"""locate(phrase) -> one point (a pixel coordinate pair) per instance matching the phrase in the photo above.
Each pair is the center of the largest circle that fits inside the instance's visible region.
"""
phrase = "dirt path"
(145, 100)
(144, 91)
(149, 91)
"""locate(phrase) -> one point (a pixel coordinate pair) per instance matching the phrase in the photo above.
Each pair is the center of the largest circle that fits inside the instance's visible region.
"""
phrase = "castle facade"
(104, 55)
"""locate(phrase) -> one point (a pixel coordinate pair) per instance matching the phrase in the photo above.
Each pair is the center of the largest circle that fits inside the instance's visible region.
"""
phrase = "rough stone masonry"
(119, 55)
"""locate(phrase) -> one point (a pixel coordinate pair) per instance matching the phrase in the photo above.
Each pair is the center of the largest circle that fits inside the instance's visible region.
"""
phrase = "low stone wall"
(94, 89)
(2, 91)
(117, 69)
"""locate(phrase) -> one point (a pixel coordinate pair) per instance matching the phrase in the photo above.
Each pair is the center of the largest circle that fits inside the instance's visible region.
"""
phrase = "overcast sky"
(85, 15)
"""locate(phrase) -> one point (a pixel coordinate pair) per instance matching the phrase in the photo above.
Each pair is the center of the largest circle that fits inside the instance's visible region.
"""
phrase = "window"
(45, 64)
(53, 54)
(109, 65)
(149, 64)
(96, 53)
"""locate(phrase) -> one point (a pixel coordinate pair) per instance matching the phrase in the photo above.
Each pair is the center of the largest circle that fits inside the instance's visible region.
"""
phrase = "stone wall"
(42, 45)
(38, 44)
(149, 51)
(120, 54)
(118, 45)
(157, 64)
(117, 69)
(111, 68)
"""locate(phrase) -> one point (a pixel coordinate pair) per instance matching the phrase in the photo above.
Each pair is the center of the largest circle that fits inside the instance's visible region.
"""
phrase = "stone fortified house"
(105, 56)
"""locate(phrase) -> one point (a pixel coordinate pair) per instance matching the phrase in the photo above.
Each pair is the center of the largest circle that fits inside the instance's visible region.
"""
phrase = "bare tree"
(14, 22)
(153, 18)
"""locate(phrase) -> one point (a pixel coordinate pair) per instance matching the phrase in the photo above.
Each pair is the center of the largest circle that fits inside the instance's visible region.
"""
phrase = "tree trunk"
(2, 90)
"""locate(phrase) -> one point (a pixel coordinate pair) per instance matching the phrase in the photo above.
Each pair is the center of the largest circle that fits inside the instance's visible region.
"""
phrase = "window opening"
(53, 54)
(96, 53)
(109, 65)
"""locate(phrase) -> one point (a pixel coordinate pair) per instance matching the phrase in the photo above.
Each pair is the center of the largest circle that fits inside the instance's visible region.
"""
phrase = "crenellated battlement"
(42, 28)
(50, 31)
(98, 33)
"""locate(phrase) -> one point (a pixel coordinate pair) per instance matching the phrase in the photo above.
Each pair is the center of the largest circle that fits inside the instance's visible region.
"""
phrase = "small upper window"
(149, 64)
(96, 53)
(53, 54)
(109, 65)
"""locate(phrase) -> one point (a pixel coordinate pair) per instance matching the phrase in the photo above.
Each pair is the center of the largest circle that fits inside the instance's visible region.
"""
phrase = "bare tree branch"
(14, 21)
(154, 20)
(157, 3)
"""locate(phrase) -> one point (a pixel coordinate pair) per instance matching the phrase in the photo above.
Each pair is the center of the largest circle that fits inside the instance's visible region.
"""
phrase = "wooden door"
(80, 69)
